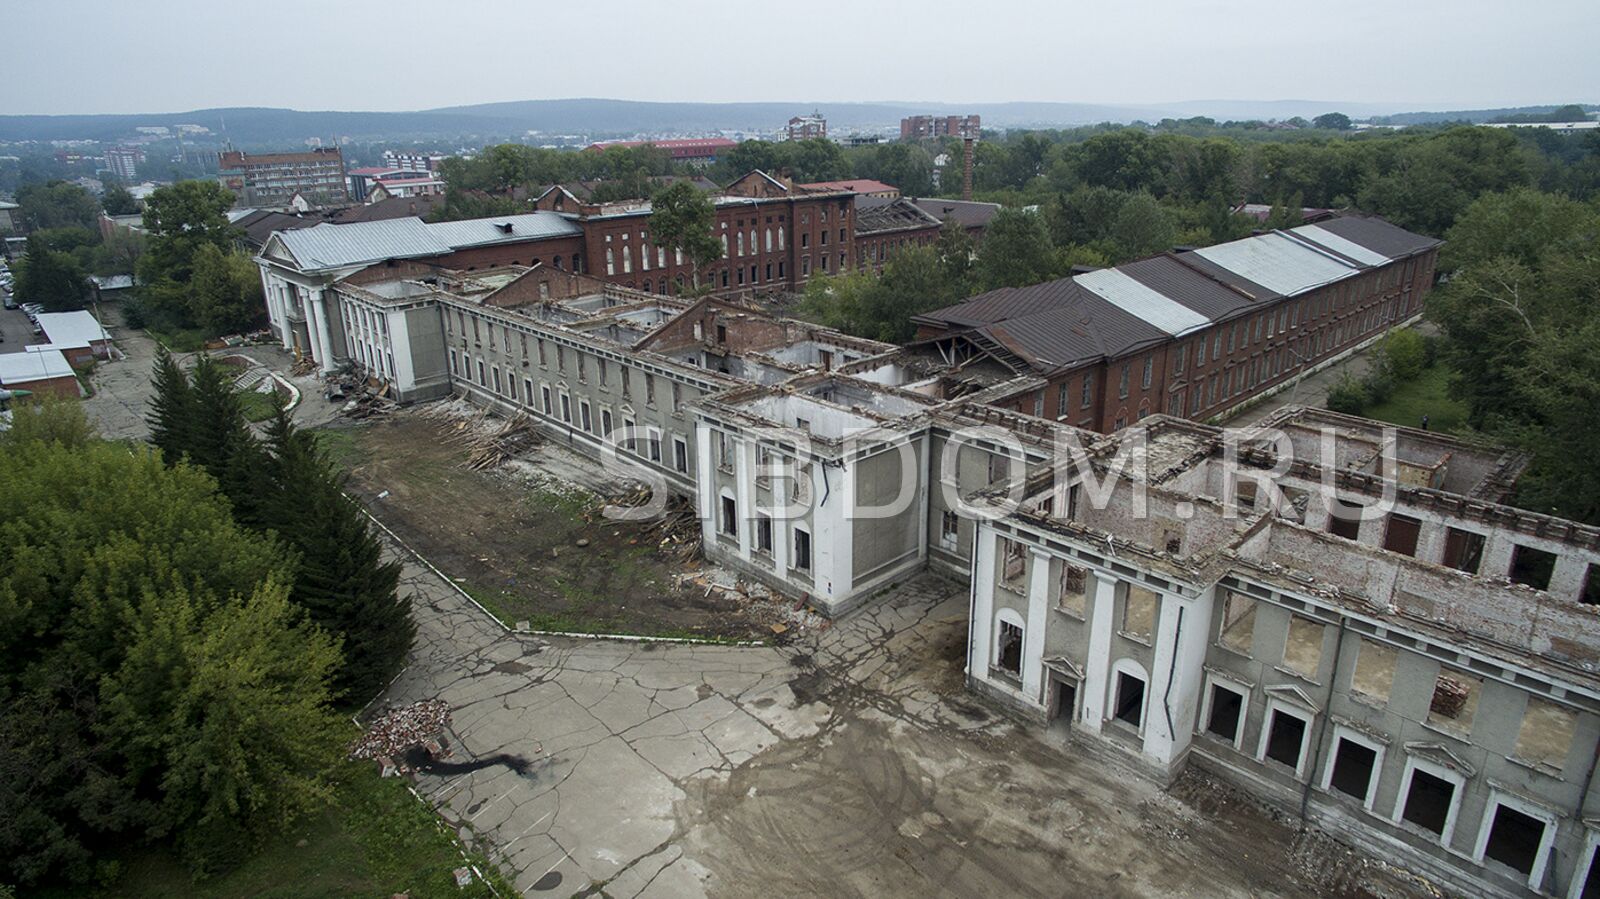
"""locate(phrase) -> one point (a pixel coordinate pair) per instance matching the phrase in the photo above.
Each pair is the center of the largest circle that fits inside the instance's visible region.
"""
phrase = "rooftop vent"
(505, 227)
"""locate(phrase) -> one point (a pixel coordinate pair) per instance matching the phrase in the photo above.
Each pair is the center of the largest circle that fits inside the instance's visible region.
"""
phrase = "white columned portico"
(1097, 665)
(1033, 634)
(979, 640)
(317, 302)
(1176, 675)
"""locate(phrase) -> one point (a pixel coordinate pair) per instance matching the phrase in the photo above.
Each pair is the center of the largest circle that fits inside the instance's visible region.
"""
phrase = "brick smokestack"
(966, 169)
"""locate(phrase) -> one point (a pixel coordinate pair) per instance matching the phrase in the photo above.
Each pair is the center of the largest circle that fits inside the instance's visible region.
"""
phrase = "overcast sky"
(80, 56)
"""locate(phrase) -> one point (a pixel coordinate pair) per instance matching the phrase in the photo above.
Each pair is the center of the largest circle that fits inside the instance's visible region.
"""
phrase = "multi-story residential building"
(1196, 334)
(923, 127)
(316, 176)
(806, 127)
(1340, 618)
(124, 162)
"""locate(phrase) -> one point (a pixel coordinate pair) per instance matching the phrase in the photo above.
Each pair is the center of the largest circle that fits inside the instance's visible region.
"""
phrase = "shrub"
(1407, 354)
(1347, 396)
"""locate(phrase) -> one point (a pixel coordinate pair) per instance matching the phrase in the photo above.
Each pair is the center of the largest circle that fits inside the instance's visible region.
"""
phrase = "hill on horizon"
(598, 118)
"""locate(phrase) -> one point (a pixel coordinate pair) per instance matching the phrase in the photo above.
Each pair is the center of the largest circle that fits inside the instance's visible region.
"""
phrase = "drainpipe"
(1166, 695)
(1322, 725)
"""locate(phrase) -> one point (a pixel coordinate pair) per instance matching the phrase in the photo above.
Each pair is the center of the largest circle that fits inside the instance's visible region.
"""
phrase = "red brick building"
(1195, 334)
(776, 235)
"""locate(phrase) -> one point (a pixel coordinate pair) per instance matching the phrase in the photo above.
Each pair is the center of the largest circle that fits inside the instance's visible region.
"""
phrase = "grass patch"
(341, 446)
(179, 340)
(375, 839)
(257, 406)
(1427, 395)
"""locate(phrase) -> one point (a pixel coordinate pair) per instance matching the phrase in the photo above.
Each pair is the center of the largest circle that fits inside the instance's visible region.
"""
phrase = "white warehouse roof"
(70, 329)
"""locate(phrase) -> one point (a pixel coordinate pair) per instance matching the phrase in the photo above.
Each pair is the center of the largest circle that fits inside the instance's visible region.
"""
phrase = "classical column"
(1176, 675)
(1033, 636)
(1097, 665)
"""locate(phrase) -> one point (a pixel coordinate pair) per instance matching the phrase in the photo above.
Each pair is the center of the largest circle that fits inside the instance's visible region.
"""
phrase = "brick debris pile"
(399, 729)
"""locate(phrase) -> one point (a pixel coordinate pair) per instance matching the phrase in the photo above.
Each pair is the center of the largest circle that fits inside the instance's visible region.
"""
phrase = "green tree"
(180, 219)
(118, 201)
(1332, 121)
(172, 414)
(957, 251)
(149, 674)
(1142, 228)
(681, 218)
(51, 277)
(342, 580)
(57, 204)
(48, 420)
(1015, 252)
(225, 293)
(1519, 333)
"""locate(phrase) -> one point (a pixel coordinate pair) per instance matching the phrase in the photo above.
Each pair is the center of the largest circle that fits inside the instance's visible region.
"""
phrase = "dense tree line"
(65, 245)
(286, 485)
(1195, 169)
(158, 682)
(1519, 330)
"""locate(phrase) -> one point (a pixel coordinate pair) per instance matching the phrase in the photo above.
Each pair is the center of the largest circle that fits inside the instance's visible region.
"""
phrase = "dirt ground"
(511, 537)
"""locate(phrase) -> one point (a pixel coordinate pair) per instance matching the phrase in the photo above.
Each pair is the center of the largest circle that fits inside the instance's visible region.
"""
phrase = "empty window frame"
(1518, 835)
(1401, 534)
(1430, 796)
(1139, 609)
(764, 533)
(730, 517)
(1373, 677)
(1455, 701)
(1014, 561)
(1532, 566)
(1545, 737)
(1344, 519)
(1302, 651)
(1224, 713)
(1008, 648)
(1236, 631)
(1129, 705)
(802, 550)
(1284, 737)
(1353, 766)
(1072, 587)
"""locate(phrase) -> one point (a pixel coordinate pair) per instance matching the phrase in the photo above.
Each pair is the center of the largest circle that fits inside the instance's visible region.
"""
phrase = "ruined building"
(1368, 636)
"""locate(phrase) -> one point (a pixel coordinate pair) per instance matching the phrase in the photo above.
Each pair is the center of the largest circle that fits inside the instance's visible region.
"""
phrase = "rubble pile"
(399, 729)
(676, 532)
(490, 442)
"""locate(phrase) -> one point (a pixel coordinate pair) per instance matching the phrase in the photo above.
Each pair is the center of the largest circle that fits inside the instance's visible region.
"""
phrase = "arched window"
(754, 247)
(611, 262)
(780, 237)
(769, 240)
(724, 246)
(740, 241)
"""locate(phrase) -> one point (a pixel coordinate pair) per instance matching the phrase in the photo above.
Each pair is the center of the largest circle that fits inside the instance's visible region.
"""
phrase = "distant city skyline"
(188, 54)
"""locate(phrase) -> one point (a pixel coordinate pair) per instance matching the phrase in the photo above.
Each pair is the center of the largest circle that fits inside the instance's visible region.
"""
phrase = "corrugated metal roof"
(326, 247)
(33, 364)
(70, 329)
(1378, 235)
(1174, 278)
(1340, 245)
(1276, 262)
(483, 232)
(1141, 302)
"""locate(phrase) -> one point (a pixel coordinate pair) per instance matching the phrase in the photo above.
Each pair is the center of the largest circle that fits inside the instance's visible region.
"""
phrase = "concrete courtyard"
(850, 762)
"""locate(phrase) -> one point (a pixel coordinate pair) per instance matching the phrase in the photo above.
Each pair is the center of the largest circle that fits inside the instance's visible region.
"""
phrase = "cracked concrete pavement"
(850, 762)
